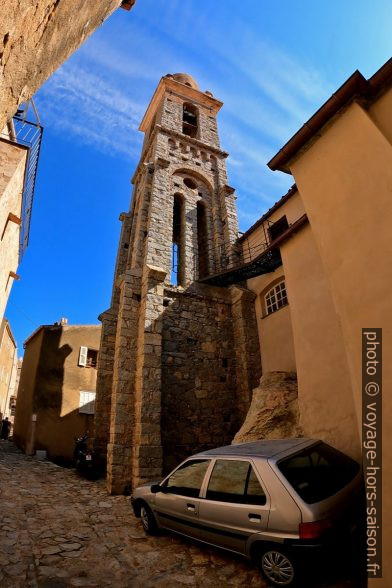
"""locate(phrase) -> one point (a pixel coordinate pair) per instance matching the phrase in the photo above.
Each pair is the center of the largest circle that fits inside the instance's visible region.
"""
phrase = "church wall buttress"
(122, 418)
(107, 346)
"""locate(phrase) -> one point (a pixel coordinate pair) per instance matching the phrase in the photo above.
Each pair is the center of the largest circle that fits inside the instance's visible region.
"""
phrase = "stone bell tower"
(178, 358)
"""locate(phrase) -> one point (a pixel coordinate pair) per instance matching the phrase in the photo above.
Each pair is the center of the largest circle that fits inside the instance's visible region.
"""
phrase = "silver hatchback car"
(274, 501)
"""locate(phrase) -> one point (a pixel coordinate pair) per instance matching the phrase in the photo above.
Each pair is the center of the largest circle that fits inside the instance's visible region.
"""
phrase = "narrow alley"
(58, 530)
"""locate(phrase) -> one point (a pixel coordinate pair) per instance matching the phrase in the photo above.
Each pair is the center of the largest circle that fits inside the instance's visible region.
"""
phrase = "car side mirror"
(155, 488)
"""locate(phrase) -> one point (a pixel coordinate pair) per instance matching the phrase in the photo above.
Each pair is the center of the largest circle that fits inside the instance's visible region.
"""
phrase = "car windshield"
(318, 472)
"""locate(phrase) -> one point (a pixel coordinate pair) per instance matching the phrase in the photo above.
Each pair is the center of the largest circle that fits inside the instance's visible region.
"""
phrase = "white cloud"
(100, 95)
(91, 109)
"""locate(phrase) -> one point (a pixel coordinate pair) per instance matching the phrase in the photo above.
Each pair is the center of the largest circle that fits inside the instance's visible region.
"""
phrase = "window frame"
(163, 484)
(186, 125)
(203, 492)
(83, 357)
(272, 288)
(93, 400)
(91, 365)
(280, 226)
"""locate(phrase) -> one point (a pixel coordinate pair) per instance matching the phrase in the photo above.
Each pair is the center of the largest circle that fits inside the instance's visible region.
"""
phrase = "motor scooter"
(84, 459)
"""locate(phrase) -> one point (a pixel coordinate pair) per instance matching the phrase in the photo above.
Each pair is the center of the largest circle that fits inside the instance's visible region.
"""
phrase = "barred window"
(276, 297)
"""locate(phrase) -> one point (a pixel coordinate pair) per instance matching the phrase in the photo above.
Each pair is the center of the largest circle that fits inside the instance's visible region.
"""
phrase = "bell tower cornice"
(168, 85)
(180, 137)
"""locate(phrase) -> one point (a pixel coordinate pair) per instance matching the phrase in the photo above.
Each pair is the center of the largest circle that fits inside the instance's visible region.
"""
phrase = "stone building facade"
(55, 401)
(13, 159)
(8, 368)
(178, 358)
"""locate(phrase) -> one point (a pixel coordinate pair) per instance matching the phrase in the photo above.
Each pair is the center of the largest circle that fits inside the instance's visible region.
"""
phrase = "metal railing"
(29, 134)
(226, 260)
(241, 261)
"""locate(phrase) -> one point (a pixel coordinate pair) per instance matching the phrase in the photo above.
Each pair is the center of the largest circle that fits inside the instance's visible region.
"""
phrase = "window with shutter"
(83, 356)
(92, 357)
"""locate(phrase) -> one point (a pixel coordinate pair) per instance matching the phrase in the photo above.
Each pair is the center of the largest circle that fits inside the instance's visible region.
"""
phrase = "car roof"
(266, 448)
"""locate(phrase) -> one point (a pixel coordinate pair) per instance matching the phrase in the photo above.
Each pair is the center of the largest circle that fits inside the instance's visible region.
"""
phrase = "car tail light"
(314, 529)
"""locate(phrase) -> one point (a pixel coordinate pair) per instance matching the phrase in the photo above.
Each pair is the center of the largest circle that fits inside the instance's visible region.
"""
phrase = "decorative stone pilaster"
(147, 448)
(123, 392)
(104, 385)
(107, 347)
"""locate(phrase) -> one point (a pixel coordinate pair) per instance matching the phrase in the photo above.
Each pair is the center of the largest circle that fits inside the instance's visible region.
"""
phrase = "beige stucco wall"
(381, 113)
(274, 330)
(12, 168)
(24, 404)
(293, 208)
(324, 384)
(350, 163)
(13, 387)
(50, 386)
(7, 360)
(305, 336)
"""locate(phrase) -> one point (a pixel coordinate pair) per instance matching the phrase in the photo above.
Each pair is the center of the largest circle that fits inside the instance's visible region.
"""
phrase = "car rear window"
(318, 472)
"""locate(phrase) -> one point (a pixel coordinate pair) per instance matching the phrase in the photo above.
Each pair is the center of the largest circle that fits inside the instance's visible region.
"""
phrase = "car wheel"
(148, 521)
(278, 567)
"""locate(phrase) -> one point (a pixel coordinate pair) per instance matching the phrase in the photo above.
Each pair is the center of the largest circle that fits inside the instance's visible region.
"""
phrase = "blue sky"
(271, 63)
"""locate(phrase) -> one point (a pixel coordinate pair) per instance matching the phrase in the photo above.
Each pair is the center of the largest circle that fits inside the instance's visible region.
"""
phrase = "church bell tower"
(178, 358)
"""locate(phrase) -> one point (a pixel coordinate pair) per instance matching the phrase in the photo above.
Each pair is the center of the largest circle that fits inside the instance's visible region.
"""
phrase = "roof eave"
(356, 84)
(293, 190)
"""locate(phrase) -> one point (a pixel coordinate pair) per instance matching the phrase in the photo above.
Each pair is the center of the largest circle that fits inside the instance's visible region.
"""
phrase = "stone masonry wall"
(198, 373)
(12, 169)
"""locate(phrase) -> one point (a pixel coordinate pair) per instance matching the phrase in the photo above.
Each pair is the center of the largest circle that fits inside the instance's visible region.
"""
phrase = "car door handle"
(254, 518)
(191, 507)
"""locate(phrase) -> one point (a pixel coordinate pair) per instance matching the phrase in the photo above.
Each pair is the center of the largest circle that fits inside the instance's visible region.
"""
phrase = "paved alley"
(58, 530)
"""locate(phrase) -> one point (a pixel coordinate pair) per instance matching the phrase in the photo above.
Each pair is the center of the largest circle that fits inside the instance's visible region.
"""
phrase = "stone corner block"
(156, 273)
(238, 294)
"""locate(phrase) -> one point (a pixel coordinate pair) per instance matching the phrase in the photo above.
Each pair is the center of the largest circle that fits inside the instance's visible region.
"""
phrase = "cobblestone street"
(58, 530)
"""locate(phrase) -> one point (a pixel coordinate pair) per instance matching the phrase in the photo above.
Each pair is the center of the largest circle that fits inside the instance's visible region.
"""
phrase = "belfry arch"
(198, 224)
(177, 277)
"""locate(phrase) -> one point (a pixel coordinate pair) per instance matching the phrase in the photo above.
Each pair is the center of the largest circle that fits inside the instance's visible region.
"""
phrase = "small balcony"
(28, 134)
(245, 261)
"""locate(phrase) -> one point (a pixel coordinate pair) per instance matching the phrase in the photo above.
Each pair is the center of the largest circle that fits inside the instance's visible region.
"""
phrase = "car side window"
(235, 481)
(188, 478)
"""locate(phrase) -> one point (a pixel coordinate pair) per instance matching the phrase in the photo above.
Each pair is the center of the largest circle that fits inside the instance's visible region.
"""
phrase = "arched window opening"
(276, 298)
(189, 120)
(202, 239)
(177, 270)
